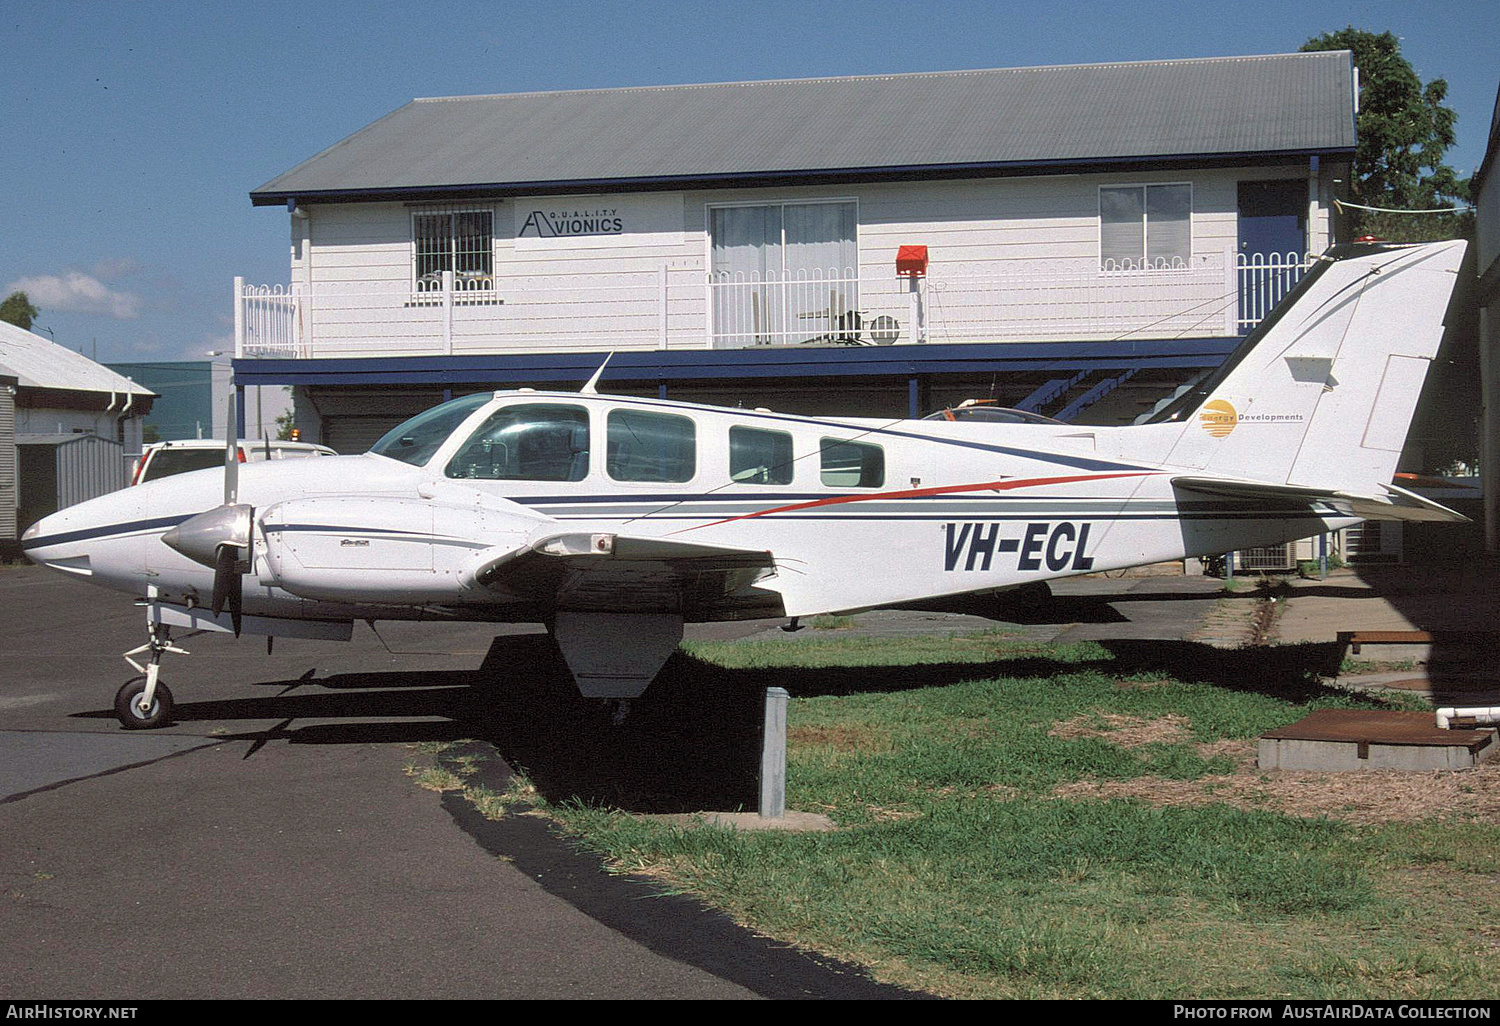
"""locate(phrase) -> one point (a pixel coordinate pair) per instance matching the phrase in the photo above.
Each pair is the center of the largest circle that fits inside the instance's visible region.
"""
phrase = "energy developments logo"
(1218, 418)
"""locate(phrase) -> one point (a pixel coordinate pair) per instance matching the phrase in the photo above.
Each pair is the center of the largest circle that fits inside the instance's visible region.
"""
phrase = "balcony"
(679, 308)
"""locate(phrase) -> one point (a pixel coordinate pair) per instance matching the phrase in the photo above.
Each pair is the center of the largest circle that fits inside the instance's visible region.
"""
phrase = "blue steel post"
(239, 411)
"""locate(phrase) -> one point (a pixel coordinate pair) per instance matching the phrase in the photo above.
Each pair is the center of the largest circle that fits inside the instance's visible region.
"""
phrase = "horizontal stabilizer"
(1395, 504)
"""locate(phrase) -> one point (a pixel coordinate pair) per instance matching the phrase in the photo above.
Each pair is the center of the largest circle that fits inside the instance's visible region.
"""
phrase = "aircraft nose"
(50, 541)
(42, 533)
(85, 538)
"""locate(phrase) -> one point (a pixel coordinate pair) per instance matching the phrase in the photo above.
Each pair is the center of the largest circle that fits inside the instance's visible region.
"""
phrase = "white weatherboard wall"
(603, 287)
(43, 420)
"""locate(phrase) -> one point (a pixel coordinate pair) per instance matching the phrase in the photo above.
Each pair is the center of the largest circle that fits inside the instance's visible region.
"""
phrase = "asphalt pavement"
(270, 843)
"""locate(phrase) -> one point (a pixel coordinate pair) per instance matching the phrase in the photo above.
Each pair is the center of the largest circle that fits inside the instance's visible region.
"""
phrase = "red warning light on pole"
(911, 262)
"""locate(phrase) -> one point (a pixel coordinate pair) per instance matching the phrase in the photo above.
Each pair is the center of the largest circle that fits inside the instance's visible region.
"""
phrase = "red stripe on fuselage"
(916, 493)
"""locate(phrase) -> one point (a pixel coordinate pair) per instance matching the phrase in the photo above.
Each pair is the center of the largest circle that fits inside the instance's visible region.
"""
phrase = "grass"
(1350, 666)
(960, 868)
(826, 622)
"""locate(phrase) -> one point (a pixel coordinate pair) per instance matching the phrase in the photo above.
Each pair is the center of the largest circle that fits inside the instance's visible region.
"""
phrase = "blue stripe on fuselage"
(88, 533)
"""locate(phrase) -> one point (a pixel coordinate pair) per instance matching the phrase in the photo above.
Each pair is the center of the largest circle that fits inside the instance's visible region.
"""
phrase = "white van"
(163, 459)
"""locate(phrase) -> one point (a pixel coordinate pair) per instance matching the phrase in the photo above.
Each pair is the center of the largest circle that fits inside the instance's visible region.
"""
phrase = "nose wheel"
(144, 702)
(138, 711)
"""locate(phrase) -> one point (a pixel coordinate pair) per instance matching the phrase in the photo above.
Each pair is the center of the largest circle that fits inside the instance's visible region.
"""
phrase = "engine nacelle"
(378, 550)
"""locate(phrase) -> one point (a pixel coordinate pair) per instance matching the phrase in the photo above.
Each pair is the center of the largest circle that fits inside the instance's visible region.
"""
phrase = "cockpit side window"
(415, 440)
(645, 446)
(530, 442)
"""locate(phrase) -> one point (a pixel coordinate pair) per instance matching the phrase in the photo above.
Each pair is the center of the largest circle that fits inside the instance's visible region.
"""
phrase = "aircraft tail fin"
(1321, 395)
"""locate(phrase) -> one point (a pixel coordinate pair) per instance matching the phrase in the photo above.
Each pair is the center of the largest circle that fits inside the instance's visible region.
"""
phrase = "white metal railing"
(1214, 294)
(268, 320)
(1077, 299)
(1264, 280)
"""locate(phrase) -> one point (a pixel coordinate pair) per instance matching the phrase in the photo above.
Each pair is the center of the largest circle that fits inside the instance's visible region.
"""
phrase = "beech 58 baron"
(614, 520)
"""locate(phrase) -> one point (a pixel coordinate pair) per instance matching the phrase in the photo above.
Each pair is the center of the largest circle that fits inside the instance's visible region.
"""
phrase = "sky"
(132, 132)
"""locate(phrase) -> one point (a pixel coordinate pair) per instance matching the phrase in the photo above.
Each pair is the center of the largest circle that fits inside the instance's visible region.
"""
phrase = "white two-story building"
(1078, 237)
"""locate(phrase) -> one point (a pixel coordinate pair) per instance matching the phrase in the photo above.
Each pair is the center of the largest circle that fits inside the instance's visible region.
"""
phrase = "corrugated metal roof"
(1284, 103)
(38, 363)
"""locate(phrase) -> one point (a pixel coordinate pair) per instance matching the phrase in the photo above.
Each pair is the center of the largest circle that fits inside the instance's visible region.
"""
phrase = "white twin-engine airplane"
(615, 520)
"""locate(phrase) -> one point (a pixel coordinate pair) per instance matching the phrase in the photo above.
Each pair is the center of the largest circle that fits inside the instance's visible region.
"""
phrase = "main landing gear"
(145, 702)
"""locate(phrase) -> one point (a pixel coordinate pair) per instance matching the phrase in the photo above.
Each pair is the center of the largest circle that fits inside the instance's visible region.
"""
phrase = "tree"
(17, 310)
(286, 422)
(1404, 131)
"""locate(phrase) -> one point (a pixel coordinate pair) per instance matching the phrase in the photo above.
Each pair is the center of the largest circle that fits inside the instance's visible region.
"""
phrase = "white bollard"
(773, 756)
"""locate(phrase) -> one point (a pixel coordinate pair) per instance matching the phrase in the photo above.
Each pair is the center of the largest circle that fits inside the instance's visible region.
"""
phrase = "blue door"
(1272, 235)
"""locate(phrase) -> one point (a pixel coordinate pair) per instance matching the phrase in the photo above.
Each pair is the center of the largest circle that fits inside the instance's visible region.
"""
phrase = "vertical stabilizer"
(1324, 392)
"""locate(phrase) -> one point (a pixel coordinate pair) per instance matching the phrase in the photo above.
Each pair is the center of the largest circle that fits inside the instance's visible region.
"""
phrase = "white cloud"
(115, 268)
(77, 292)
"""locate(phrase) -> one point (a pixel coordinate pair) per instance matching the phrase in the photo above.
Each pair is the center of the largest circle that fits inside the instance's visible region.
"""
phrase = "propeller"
(221, 537)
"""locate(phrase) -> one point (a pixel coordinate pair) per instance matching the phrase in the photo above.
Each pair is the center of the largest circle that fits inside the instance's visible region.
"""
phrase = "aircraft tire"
(128, 711)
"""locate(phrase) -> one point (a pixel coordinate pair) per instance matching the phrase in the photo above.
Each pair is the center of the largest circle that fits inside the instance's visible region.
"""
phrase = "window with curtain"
(783, 272)
(1145, 226)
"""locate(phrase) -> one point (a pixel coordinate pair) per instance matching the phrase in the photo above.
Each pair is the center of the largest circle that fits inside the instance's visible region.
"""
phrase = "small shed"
(57, 471)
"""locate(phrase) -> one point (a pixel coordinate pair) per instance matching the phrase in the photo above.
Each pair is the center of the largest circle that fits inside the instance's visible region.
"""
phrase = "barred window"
(461, 241)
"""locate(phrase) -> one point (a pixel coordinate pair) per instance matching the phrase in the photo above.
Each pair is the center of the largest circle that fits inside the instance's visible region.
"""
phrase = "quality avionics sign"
(567, 222)
(584, 222)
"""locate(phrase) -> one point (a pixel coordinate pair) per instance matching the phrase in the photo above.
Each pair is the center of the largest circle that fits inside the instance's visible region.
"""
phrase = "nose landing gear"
(144, 702)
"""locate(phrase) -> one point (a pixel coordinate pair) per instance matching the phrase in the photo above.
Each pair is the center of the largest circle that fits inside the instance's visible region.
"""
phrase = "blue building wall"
(186, 391)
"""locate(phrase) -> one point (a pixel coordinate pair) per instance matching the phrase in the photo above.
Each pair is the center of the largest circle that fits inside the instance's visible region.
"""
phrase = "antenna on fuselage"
(589, 387)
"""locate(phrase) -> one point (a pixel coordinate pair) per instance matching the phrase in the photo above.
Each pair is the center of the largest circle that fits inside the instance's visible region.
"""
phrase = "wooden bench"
(1354, 639)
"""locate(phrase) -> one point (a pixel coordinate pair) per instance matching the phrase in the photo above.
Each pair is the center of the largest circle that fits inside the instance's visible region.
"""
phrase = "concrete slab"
(1346, 740)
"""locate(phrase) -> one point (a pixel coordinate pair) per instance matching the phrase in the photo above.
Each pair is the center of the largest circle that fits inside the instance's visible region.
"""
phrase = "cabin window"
(645, 446)
(415, 440)
(759, 457)
(852, 464)
(461, 241)
(1145, 226)
(530, 442)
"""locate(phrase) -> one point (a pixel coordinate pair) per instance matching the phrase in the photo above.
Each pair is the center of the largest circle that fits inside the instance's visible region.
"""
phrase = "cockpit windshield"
(415, 440)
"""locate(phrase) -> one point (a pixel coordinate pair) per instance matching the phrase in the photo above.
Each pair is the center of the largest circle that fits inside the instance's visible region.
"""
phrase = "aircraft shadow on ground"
(693, 741)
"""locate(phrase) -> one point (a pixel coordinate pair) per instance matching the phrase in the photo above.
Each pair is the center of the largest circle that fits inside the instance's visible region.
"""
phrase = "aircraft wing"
(1396, 504)
(620, 574)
